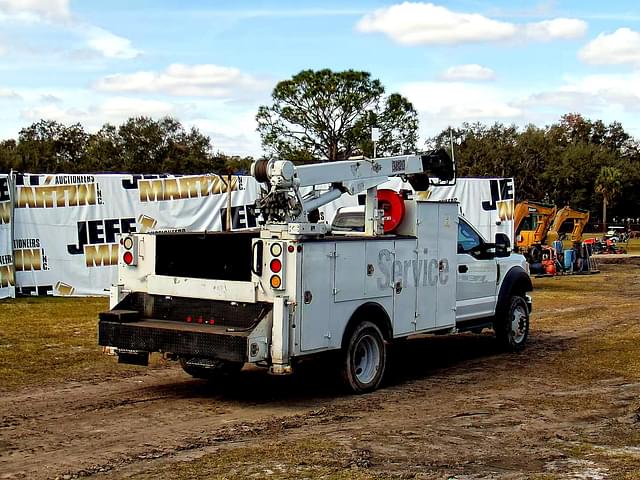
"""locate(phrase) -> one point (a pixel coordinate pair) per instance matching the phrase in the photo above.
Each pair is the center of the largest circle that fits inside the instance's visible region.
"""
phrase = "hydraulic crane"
(284, 208)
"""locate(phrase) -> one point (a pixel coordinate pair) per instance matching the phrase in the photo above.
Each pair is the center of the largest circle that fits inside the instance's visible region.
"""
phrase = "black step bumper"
(168, 336)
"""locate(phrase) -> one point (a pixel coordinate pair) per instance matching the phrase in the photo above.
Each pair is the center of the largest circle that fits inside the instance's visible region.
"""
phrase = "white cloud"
(558, 28)
(53, 112)
(619, 47)
(54, 10)
(109, 44)
(420, 23)
(49, 98)
(57, 14)
(231, 126)
(205, 80)
(612, 96)
(115, 110)
(608, 97)
(470, 72)
(464, 101)
(9, 94)
(441, 104)
(563, 99)
(425, 23)
(232, 132)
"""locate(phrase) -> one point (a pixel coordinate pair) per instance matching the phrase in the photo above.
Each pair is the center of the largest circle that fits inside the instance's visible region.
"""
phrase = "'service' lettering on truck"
(424, 271)
(293, 287)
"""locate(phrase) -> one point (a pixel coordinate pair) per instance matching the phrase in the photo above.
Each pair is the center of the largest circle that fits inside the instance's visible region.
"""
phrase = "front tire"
(364, 358)
(512, 329)
(209, 369)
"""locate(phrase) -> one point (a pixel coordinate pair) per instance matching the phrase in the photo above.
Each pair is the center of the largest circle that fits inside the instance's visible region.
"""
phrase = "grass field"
(44, 339)
(602, 352)
(573, 390)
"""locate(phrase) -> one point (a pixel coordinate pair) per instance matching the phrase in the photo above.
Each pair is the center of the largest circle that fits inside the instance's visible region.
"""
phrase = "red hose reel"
(392, 203)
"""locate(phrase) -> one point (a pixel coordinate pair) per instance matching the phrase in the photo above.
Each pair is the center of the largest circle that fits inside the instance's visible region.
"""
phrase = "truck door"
(404, 287)
(317, 294)
(437, 229)
(476, 277)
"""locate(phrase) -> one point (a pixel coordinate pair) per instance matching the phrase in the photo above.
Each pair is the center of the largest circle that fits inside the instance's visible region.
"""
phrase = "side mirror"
(503, 245)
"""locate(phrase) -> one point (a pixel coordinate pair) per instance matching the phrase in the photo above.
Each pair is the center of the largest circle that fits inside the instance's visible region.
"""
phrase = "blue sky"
(212, 63)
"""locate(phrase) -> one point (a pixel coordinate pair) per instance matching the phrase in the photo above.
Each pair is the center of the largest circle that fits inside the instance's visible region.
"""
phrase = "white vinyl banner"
(66, 226)
(7, 281)
(486, 203)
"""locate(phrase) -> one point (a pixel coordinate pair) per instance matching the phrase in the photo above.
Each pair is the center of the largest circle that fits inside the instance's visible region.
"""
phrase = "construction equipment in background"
(540, 229)
(568, 225)
(561, 230)
(532, 221)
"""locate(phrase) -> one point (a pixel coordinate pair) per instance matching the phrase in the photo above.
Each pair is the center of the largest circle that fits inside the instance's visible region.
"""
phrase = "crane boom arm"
(282, 201)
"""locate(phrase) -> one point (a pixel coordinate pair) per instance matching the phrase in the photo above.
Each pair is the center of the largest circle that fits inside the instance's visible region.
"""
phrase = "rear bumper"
(187, 327)
(167, 336)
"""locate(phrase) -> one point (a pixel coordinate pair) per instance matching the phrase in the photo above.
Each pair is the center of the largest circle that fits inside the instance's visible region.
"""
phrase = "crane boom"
(282, 202)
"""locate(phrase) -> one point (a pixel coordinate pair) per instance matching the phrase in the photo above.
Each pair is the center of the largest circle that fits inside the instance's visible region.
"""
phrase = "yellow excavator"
(532, 221)
(538, 226)
(562, 229)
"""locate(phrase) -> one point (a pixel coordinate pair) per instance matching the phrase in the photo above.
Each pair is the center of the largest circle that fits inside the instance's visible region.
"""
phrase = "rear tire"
(512, 329)
(209, 369)
(364, 358)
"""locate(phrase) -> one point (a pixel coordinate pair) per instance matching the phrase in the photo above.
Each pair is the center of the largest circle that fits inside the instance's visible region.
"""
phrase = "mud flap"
(134, 358)
(280, 338)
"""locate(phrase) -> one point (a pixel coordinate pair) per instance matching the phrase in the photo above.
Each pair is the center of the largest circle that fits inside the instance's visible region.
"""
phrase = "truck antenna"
(453, 157)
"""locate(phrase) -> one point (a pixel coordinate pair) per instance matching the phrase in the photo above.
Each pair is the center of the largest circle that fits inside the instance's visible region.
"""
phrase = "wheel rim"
(366, 359)
(519, 324)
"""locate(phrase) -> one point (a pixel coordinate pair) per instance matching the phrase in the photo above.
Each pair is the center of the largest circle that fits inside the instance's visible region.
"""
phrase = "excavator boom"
(540, 216)
(580, 219)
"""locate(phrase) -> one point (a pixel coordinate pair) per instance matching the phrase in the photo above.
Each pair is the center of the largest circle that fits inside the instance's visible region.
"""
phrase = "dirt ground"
(452, 408)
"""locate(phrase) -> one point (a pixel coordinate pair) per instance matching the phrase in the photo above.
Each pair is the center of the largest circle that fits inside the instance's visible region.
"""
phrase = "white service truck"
(295, 288)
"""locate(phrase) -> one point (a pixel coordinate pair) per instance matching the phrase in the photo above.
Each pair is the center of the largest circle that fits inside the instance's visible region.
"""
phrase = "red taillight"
(128, 258)
(275, 265)
(200, 320)
(129, 250)
(189, 319)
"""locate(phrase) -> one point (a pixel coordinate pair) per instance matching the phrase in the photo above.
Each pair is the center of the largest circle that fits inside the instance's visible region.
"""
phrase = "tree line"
(326, 116)
(575, 161)
(139, 145)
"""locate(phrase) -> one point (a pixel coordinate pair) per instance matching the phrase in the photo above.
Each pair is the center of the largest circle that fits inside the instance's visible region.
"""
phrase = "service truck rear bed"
(190, 294)
(182, 326)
